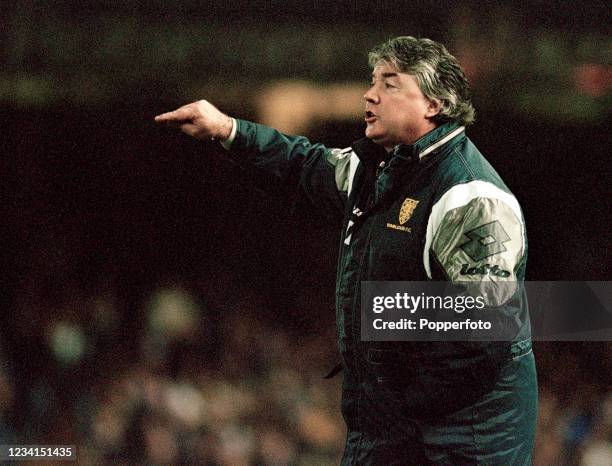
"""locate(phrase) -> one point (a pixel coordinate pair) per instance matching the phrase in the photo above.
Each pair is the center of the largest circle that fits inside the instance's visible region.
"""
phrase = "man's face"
(396, 110)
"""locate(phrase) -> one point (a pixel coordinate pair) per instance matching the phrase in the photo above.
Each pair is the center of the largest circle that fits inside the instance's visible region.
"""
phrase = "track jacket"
(433, 210)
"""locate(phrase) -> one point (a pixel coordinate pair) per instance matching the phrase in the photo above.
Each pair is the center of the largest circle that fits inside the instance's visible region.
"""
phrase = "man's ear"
(433, 108)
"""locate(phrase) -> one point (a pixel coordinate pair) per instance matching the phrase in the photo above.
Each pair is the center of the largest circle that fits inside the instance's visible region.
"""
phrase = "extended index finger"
(176, 116)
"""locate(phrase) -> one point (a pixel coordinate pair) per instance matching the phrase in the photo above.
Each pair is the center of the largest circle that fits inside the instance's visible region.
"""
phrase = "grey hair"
(438, 74)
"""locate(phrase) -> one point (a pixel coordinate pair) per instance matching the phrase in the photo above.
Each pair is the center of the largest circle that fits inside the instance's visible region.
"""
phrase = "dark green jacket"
(434, 210)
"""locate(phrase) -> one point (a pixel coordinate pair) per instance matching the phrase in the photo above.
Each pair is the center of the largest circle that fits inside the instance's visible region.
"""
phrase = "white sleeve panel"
(354, 162)
(345, 163)
(461, 195)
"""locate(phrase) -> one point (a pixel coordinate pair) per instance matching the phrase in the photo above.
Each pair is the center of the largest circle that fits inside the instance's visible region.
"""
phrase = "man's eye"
(389, 86)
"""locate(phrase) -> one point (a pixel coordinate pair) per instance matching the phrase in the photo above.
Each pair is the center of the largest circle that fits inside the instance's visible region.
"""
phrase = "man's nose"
(371, 95)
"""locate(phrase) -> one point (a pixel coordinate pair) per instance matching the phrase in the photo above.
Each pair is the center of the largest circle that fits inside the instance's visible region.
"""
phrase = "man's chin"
(377, 138)
(380, 140)
(371, 134)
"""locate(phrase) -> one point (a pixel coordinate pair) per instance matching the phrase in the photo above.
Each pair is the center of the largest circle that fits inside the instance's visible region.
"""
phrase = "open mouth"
(369, 116)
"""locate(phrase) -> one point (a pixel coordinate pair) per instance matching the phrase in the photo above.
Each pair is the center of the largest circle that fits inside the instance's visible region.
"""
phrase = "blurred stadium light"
(137, 50)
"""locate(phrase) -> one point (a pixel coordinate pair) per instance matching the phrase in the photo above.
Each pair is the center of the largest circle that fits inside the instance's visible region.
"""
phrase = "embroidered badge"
(407, 209)
(405, 213)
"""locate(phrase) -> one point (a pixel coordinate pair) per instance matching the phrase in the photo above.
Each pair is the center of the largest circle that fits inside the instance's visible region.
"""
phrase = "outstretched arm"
(322, 173)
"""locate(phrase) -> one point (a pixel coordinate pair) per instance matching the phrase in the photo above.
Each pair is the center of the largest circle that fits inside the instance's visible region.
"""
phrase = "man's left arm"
(476, 234)
(476, 240)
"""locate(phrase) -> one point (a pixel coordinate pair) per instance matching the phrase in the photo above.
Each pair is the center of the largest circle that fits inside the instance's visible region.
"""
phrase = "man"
(419, 202)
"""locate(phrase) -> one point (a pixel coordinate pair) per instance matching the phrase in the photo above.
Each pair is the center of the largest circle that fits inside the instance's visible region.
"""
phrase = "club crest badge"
(406, 210)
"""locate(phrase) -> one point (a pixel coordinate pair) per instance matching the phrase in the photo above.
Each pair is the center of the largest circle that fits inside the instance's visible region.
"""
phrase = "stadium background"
(158, 307)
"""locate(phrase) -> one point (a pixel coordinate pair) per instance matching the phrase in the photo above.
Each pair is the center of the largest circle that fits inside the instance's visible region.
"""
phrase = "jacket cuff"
(227, 144)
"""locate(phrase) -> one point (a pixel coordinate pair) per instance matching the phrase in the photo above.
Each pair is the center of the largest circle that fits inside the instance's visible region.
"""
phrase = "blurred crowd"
(208, 382)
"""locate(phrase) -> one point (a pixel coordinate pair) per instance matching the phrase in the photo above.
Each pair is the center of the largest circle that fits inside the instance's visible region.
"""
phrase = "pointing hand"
(201, 120)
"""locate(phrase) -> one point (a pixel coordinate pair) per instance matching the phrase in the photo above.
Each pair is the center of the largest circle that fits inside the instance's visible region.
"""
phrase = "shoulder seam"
(465, 164)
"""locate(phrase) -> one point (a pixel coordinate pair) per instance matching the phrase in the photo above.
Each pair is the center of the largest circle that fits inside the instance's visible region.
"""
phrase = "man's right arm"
(323, 173)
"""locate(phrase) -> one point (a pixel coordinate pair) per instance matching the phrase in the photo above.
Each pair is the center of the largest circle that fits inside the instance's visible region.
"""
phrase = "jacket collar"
(368, 152)
(371, 154)
(431, 142)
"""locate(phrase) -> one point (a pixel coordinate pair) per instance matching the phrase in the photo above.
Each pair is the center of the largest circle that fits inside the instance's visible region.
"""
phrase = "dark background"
(102, 206)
